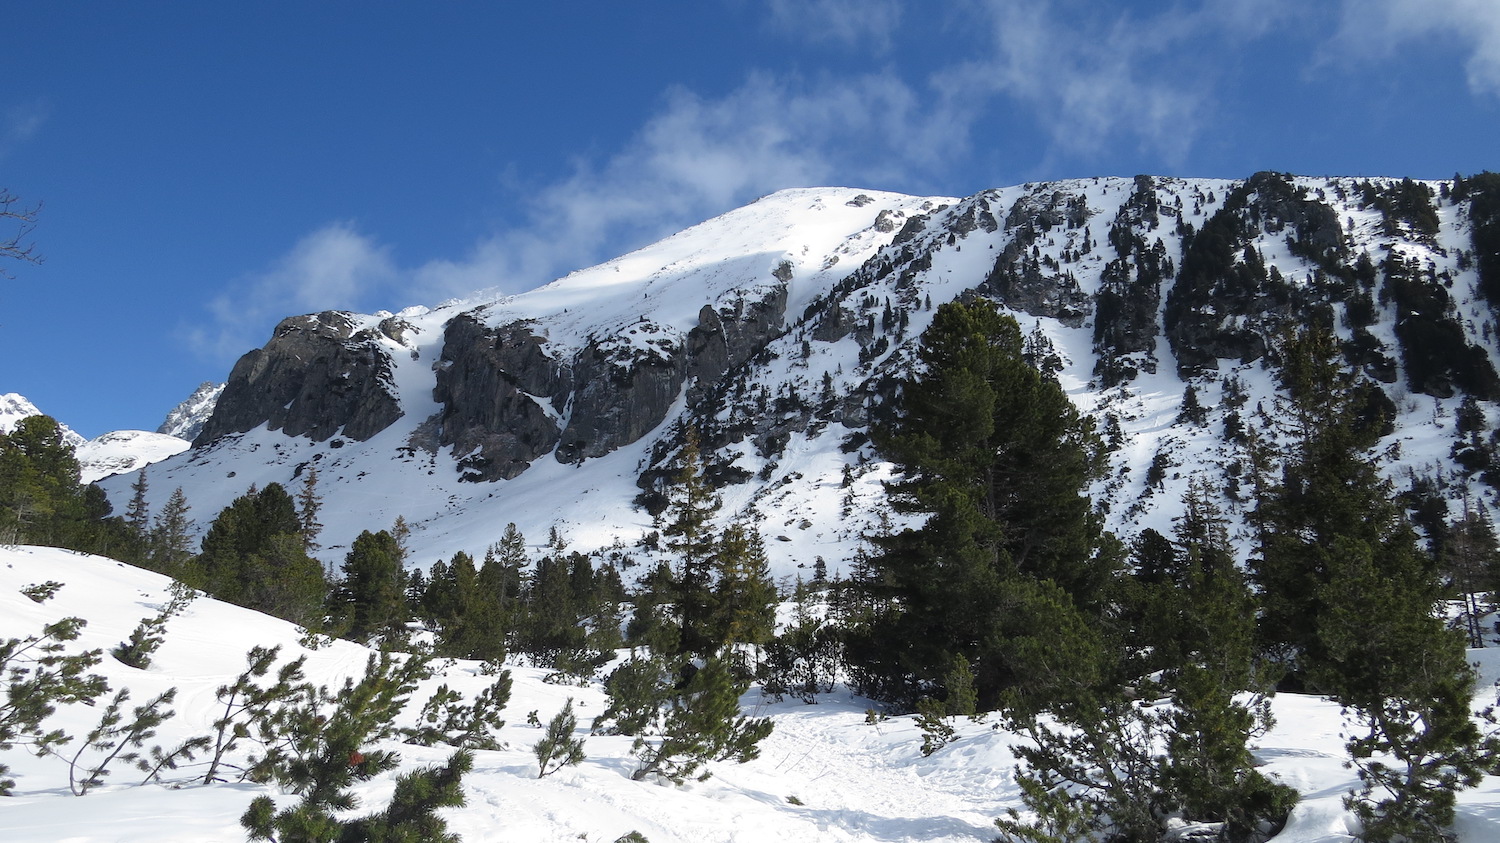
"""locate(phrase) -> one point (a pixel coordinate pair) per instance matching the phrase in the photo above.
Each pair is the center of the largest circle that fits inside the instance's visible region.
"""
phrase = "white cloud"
(698, 157)
(856, 23)
(1373, 29)
(695, 158)
(20, 124)
(332, 268)
(1093, 76)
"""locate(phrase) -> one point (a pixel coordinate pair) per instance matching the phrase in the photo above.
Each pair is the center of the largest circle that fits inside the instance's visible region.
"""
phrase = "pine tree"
(701, 722)
(558, 748)
(1349, 607)
(171, 537)
(254, 556)
(371, 595)
(308, 504)
(995, 457)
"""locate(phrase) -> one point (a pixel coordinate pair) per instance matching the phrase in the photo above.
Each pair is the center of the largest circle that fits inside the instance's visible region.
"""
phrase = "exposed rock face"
(1033, 285)
(500, 394)
(725, 338)
(316, 377)
(626, 385)
(186, 420)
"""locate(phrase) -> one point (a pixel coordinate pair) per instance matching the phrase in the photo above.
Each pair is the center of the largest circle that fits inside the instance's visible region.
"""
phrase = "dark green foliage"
(308, 504)
(1434, 350)
(1349, 605)
(250, 706)
(39, 675)
(254, 556)
(151, 632)
(637, 690)
(1406, 208)
(1329, 488)
(170, 546)
(686, 526)
(1483, 195)
(117, 739)
(803, 660)
(996, 456)
(1404, 679)
(371, 599)
(41, 592)
(1222, 276)
(701, 722)
(1469, 558)
(445, 719)
(1130, 290)
(409, 818)
(41, 501)
(321, 739)
(558, 748)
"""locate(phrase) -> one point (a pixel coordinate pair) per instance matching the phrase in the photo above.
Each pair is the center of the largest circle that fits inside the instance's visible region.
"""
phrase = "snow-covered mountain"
(124, 452)
(14, 407)
(116, 452)
(186, 420)
(777, 331)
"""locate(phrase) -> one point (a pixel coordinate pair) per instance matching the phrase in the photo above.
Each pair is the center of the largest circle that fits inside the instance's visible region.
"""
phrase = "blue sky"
(206, 169)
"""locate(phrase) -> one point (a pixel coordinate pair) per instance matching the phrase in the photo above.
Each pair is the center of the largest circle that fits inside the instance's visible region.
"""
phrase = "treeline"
(1141, 669)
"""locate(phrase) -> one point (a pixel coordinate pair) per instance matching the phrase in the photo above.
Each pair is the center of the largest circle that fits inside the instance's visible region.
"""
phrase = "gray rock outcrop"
(316, 377)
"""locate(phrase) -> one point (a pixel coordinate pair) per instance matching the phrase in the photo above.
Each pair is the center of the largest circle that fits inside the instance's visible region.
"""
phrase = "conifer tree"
(701, 722)
(308, 504)
(138, 519)
(253, 555)
(372, 596)
(744, 595)
(171, 539)
(686, 524)
(1349, 606)
(995, 457)
(558, 748)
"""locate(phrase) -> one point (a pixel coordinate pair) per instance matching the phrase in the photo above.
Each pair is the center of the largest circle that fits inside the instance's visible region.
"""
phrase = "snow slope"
(824, 774)
(124, 452)
(14, 407)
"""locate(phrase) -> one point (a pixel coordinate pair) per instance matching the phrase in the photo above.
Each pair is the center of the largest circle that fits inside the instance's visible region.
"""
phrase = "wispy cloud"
(1373, 29)
(1092, 76)
(694, 158)
(701, 156)
(867, 24)
(331, 268)
(20, 124)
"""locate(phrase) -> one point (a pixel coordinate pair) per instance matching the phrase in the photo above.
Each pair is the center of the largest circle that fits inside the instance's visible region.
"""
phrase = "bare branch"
(24, 219)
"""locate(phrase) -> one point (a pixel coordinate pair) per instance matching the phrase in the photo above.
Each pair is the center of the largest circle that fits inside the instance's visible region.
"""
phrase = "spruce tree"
(308, 504)
(686, 524)
(995, 458)
(138, 521)
(171, 547)
(1350, 607)
(372, 596)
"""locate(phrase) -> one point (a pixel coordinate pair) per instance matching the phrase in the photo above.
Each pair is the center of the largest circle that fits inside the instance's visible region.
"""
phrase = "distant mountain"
(124, 452)
(14, 407)
(119, 451)
(186, 419)
(779, 330)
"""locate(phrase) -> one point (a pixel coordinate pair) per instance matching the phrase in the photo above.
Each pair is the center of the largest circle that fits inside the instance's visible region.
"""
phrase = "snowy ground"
(823, 775)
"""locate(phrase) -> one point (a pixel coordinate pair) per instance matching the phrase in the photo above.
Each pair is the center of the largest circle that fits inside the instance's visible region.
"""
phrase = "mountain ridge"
(779, 328)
